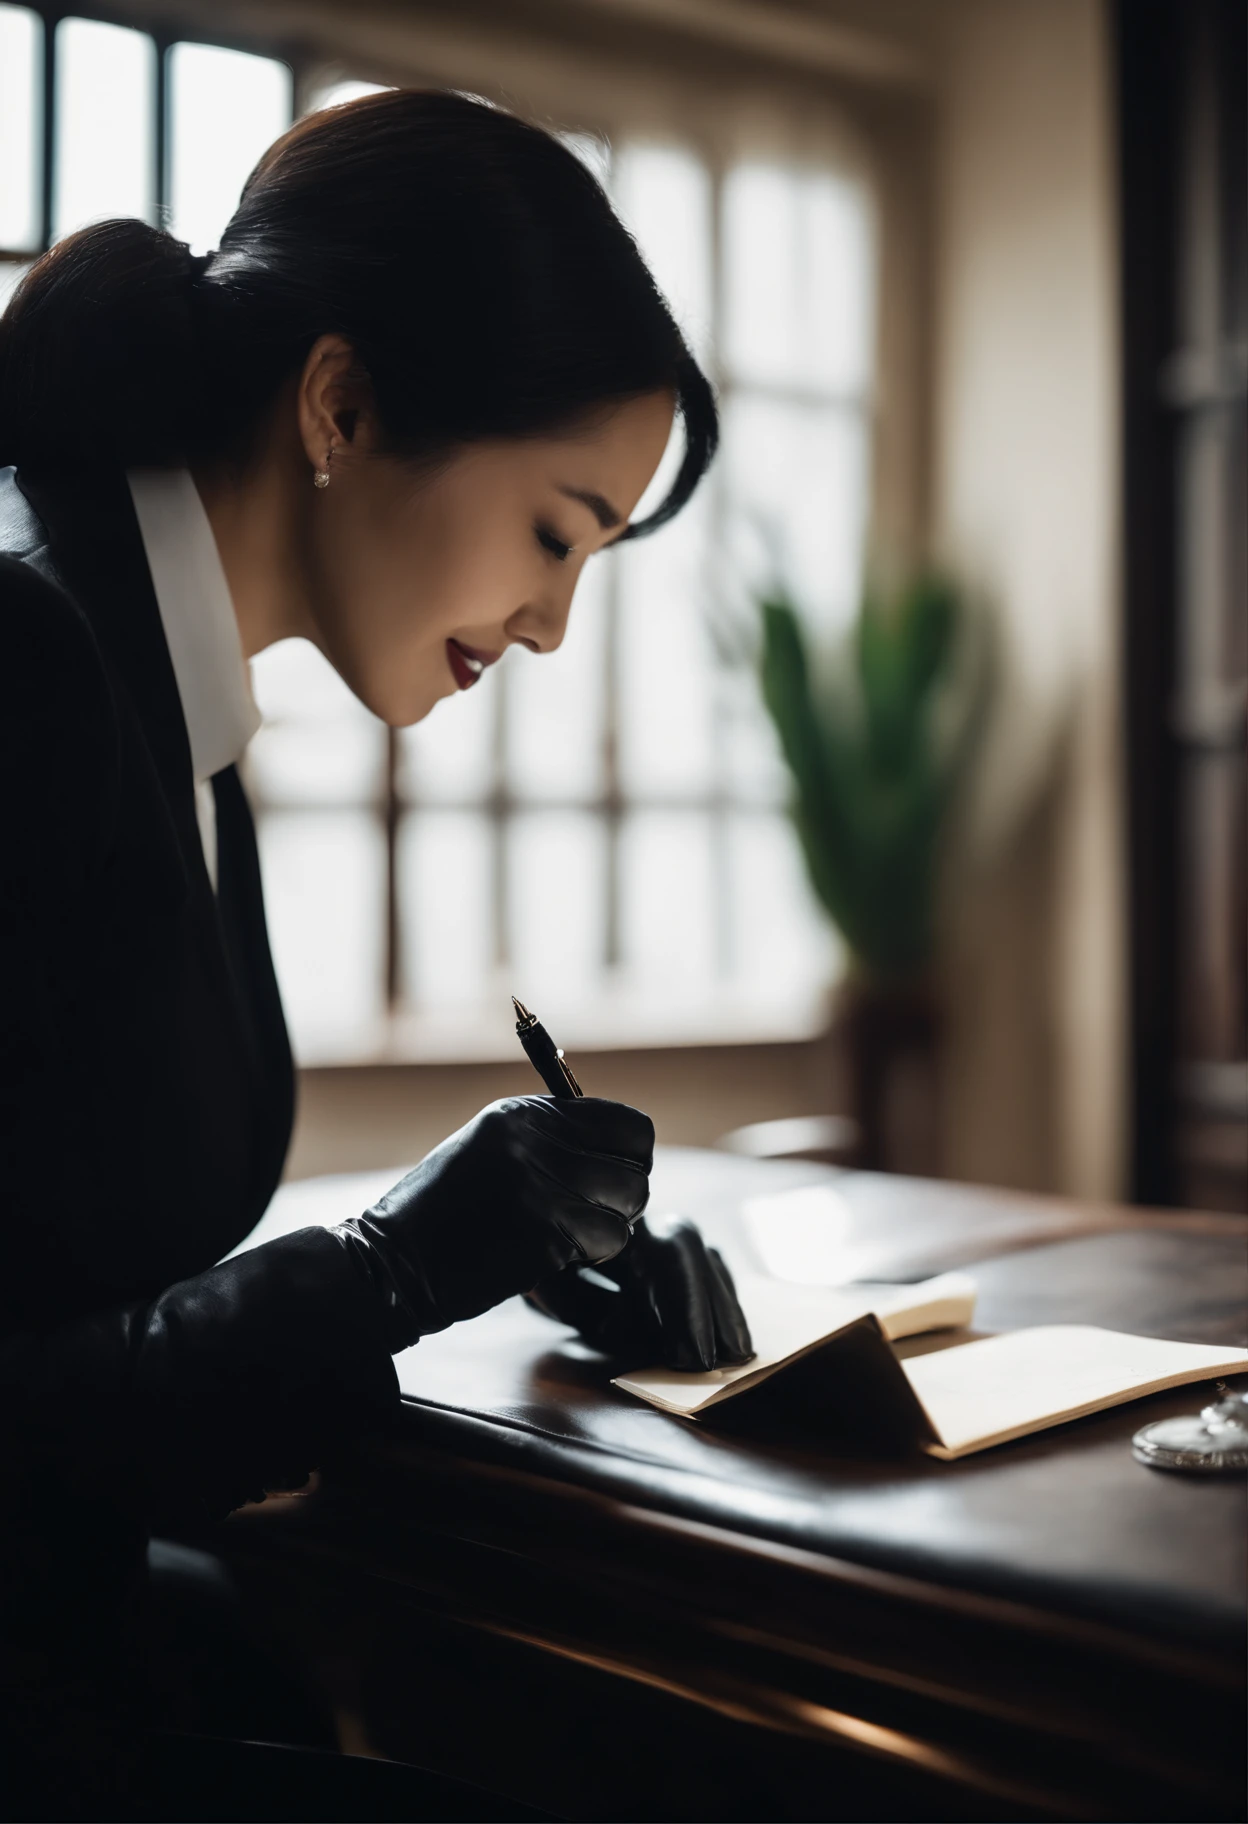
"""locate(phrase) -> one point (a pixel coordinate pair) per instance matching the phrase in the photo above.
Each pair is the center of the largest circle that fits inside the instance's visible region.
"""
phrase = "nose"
(540, 625)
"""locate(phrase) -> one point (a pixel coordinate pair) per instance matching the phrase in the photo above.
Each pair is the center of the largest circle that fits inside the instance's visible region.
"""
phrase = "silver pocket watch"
(1198, 1443)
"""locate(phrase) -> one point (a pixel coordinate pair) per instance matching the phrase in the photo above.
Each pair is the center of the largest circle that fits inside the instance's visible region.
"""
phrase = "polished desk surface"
(1045, 1629)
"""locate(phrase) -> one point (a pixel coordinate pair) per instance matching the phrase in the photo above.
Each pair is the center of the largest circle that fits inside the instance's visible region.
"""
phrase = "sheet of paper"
(1004, 1387)
(786, 1319)
(802, 1234)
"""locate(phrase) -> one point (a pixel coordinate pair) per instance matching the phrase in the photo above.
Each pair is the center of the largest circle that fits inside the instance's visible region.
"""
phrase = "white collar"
(213, 679)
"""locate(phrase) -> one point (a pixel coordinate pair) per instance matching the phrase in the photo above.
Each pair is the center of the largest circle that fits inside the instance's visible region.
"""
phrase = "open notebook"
(824, 1357)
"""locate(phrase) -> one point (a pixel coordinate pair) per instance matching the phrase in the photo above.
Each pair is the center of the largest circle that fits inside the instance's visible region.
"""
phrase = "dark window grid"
(164, 35)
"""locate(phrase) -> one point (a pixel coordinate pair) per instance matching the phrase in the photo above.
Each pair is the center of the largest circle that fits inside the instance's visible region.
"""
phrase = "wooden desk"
(541, 1585)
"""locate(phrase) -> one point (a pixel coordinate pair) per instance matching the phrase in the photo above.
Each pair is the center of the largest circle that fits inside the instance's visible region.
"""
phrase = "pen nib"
(523, 1016)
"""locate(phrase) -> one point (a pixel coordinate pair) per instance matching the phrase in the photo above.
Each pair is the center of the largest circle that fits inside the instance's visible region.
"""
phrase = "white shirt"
(213, 678)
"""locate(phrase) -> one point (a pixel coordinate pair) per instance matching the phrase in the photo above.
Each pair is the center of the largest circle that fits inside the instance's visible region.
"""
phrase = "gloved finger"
(576, 1144)
(586, 1198)
(569, 1299)
(607, 1317)
(590, 1124)
(681, 1277)
(584, 1231)
(733, 1343)
(619, 1186)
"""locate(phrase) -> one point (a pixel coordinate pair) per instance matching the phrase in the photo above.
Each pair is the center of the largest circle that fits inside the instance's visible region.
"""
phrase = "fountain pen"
(543, 1054)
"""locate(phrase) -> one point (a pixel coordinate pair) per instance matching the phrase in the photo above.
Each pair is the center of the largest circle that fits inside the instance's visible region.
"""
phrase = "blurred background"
(970, 278)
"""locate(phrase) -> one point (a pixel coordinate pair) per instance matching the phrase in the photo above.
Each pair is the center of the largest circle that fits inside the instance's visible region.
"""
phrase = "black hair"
(472, 261)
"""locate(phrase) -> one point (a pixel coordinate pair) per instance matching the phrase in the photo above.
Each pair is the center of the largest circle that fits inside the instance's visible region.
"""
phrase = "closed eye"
(549, 541)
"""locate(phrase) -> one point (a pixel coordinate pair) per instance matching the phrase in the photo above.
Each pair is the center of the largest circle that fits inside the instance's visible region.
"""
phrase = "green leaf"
(872, 788)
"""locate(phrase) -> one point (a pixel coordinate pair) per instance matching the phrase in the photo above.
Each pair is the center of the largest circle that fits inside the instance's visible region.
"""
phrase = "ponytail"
(99, 357)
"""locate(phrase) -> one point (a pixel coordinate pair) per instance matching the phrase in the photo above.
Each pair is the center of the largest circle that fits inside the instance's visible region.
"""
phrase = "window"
(99, 119)
(21, 77)
(225, 109)
(603, 831)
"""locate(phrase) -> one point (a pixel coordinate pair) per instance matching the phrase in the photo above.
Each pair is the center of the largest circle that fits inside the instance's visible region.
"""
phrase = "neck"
(254, 513)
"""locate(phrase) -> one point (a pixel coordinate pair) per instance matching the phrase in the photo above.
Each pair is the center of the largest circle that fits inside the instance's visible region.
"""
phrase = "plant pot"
(885, 1047)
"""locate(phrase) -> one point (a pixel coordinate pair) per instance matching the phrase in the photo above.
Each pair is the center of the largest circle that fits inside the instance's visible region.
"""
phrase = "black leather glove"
(531, 1185)
(666, 1298)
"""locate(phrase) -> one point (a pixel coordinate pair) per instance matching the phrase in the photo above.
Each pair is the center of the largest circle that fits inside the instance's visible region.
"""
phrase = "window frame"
(501, 804)
(164, 31)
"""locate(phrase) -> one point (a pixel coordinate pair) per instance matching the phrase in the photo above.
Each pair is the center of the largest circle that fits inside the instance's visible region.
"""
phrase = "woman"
(424, 379)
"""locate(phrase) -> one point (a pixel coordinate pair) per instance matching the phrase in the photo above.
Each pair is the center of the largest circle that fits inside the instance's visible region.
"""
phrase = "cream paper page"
(1007, 1386)
(786, 1319)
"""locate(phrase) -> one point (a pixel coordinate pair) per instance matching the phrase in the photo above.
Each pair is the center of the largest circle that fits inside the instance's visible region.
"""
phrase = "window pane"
(105, 89)
(449, 757)
(227, 107)
(21, 80)
(446, 888)
(783, 948)
(321, 762)
(324, 892)
(751, 768)
(556, 703)
(556, 878)
(838, 310)
(12, 272)
(796, 480)
(318, 744)
(799, 278)
(664, 195)
(666, 677)
(668, 909)
(293, 681)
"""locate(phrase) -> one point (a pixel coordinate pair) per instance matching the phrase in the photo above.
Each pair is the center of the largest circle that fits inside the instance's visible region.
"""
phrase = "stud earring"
(320, 478)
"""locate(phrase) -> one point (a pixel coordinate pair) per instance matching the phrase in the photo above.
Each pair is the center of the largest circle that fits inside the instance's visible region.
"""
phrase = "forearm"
(226, 1384)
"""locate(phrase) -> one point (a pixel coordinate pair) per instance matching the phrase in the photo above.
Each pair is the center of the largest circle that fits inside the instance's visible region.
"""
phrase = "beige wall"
(360, 1117)
(1024, 487)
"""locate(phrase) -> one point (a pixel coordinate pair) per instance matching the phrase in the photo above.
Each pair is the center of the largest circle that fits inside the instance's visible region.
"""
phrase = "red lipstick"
(467, 663)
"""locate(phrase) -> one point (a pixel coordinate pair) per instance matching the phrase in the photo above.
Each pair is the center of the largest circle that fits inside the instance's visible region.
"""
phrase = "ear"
(335, 404)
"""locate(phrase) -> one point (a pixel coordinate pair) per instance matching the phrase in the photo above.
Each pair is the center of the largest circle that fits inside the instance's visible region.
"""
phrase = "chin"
(405, 709)
(397, 694)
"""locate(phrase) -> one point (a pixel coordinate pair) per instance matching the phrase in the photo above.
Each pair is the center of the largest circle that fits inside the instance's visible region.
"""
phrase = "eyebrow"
(601, 509)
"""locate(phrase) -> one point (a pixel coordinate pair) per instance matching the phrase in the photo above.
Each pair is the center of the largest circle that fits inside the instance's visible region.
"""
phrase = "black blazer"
(145, 1104)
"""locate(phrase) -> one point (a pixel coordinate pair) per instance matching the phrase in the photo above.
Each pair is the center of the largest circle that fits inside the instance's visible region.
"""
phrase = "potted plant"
(877, 740)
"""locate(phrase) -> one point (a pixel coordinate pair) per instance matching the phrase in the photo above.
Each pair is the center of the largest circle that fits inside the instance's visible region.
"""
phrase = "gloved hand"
(666, 1298)
(531, 1185)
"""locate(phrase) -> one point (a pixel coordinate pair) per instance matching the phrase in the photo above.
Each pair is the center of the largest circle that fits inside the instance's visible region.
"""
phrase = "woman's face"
(414, 585)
